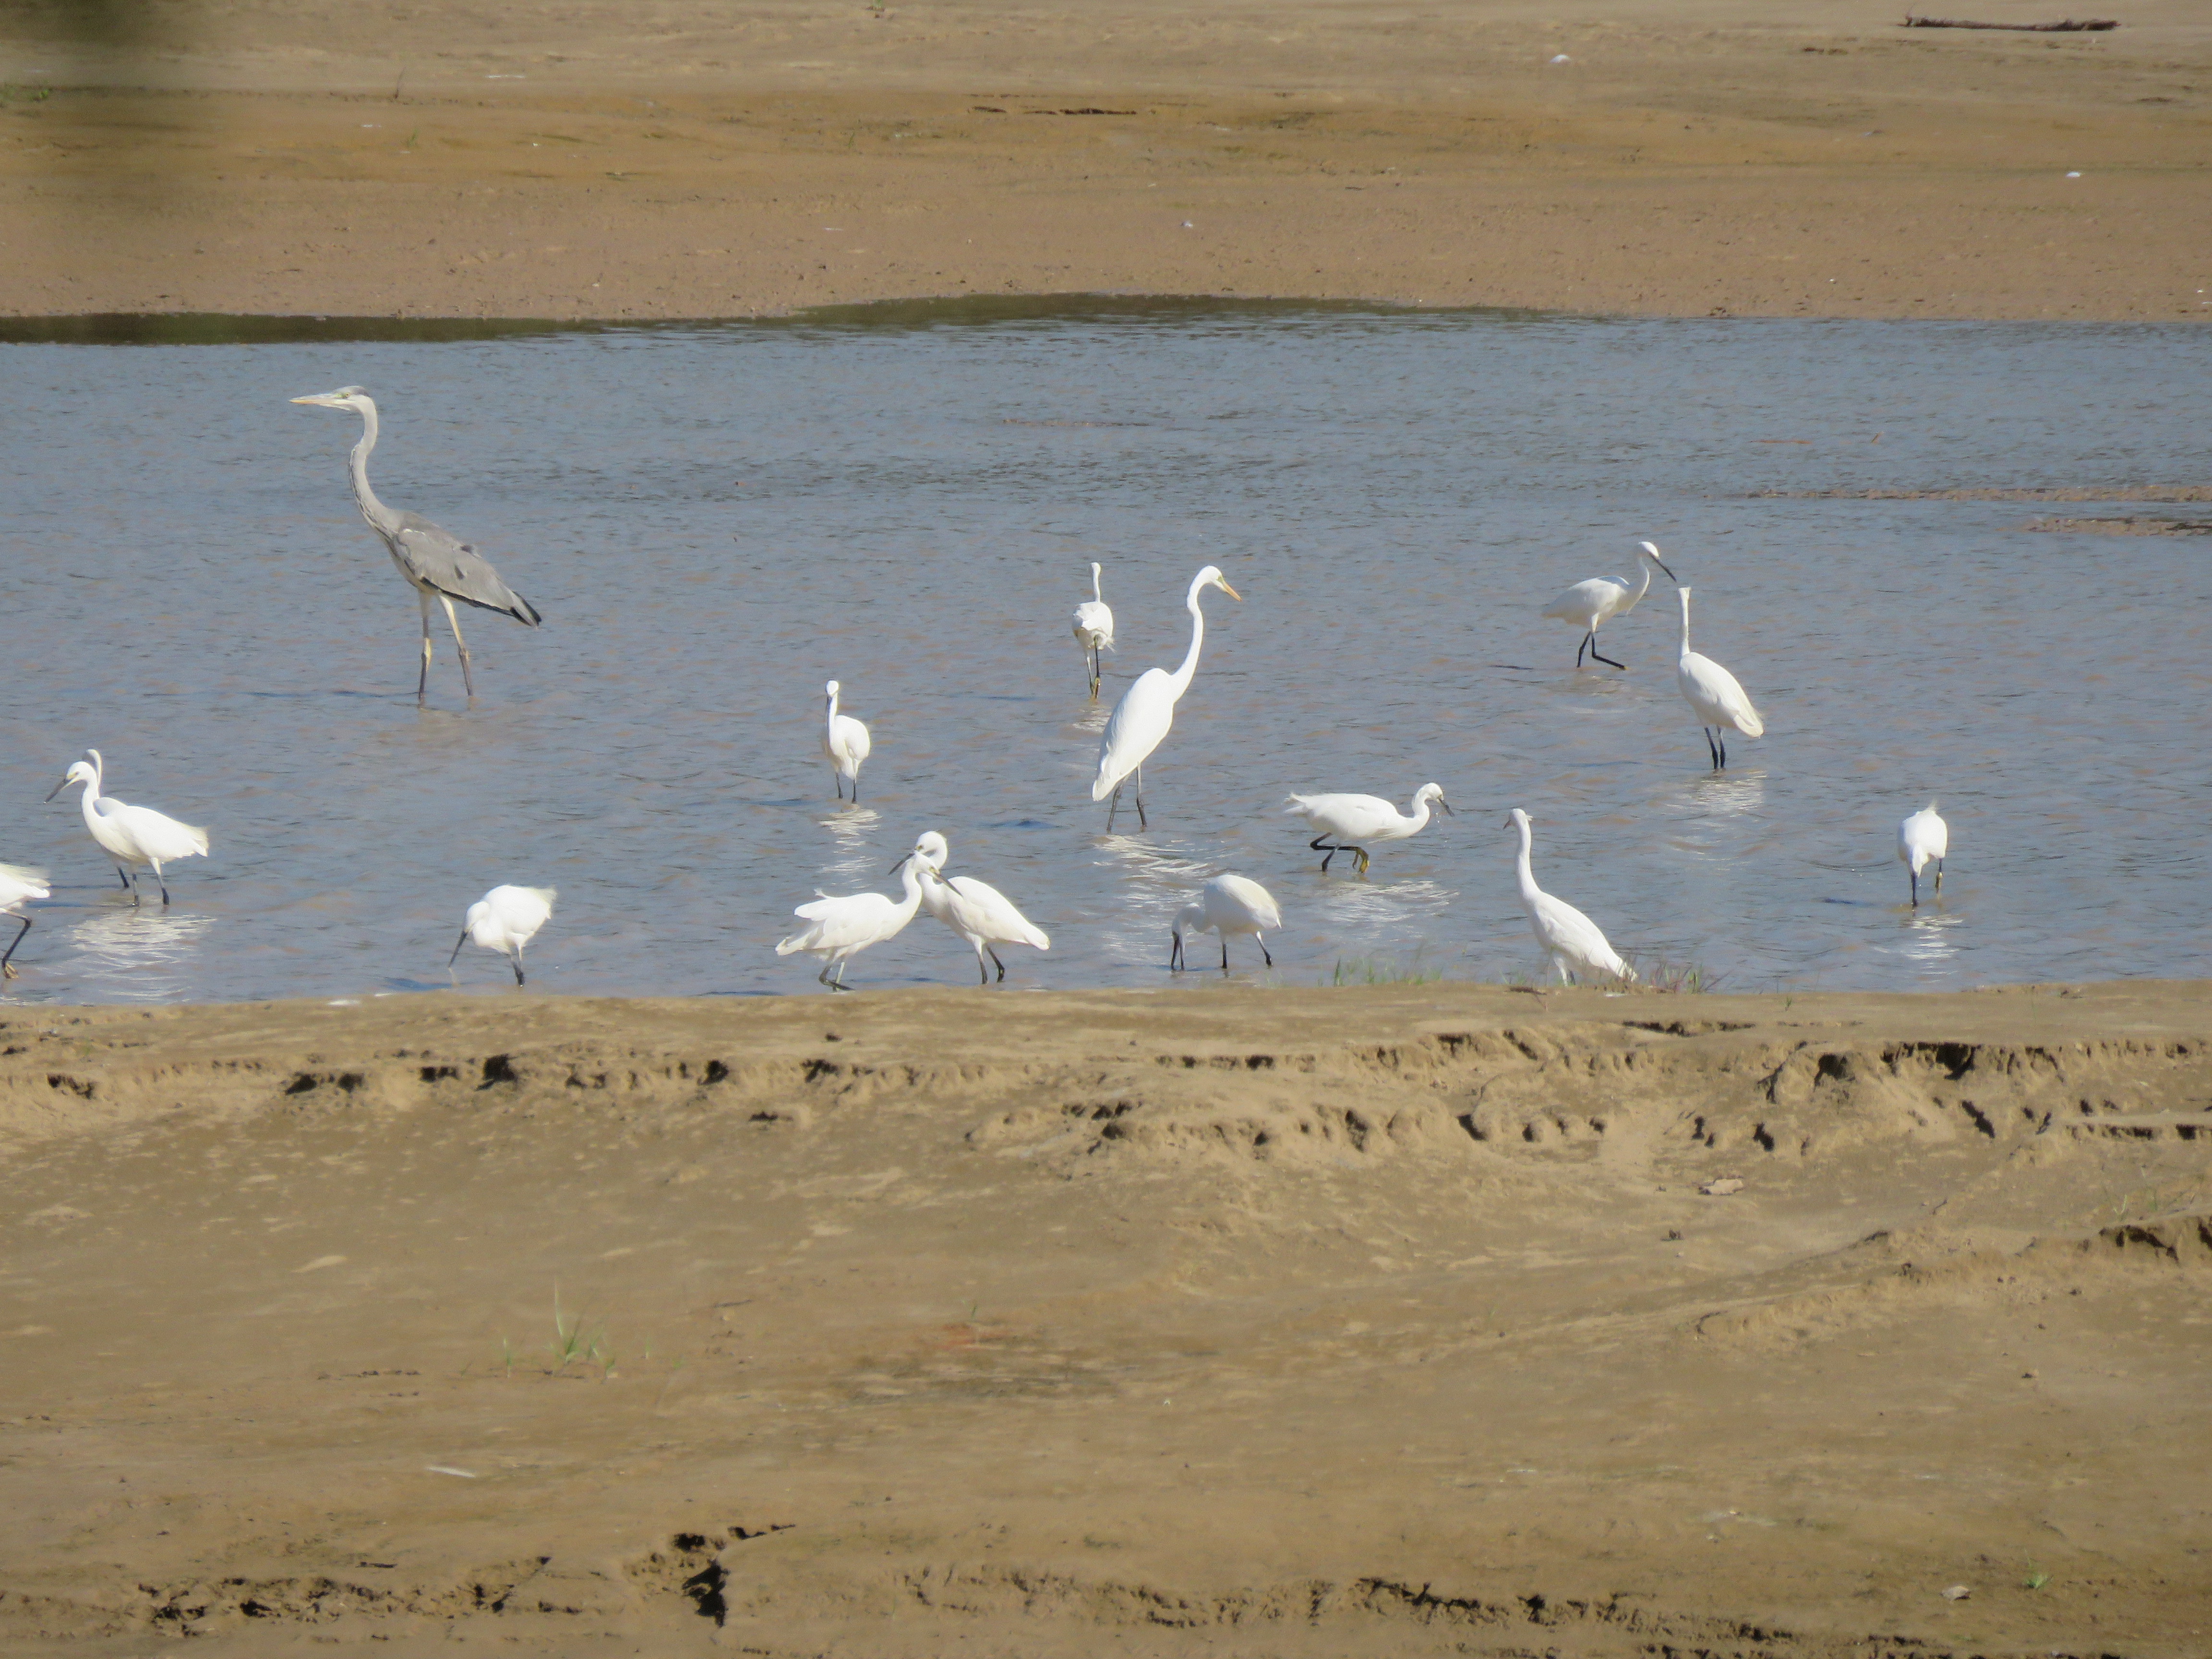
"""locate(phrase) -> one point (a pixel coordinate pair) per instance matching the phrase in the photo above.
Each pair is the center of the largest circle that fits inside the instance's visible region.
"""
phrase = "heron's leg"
(1175, 953)
(1915, 875)
(459, 644)
(1326, 848)
(1113, 807)
(123, 877)
(1710, 747)
(8, 966)
(994, 957)
(1723, 736)
(133, 884)
(515, 958)
(982, 973)
(856, 786)
(1939, 875)
(1362, 852)
(1588, 640)
(1262, 944)
(1597, 655)
(423, 680)
(1224, 949)
(1142, 823)
(160, 881)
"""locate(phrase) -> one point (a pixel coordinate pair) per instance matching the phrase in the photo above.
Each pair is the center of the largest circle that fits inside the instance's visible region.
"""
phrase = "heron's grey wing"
(456, 569)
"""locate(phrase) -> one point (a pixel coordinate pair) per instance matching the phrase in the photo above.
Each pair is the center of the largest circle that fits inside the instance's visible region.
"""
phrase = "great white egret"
(1227, 904)
(1352, 820)
(1147, 709)
(438, 563)
(845, 741)
(1590, 604)
(1571, 939)
(17, 884)
(132, 835)
(979, 913)
(1713, 695)
(505, 920)
(1922, 839)
(1094, 628)
(841, 927)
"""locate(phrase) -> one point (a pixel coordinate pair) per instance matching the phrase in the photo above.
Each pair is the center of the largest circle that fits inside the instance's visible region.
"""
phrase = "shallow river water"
(716, 520)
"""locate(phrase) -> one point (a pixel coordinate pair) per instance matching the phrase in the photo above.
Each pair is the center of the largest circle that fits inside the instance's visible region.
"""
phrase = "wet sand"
(1394, 1321)
(606, 160)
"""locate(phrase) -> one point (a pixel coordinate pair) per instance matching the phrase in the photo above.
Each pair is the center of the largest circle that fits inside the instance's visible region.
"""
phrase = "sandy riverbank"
(612, 160)
(1380, 1321)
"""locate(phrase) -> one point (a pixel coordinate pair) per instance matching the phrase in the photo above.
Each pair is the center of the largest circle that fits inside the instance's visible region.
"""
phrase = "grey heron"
(439, 564)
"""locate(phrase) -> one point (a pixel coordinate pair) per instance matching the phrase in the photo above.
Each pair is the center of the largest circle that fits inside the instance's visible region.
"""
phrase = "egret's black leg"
(1915, 875)
(1141, 822)
(1712, 748)
(982, 973)
(516, 959)
(1597, 655)
(1588, 640)
(1175, 954)
(123, 879)
(1262, 944)
(1723, 736)
(994, 957)
(1113, 805)
(1224, 951)
(1320, 846)
(6, 966)
(1939, 875)
(162, 882)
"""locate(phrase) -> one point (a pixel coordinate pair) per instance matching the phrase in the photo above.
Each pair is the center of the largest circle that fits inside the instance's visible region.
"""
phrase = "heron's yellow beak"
(1232, 592)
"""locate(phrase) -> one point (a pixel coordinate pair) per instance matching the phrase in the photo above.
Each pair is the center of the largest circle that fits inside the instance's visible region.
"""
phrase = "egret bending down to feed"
(1571, 939)
(844, 926)
(1589, 605)
(845, 741)
(505, 920)
(1226, 905)
(1351, 819)
(1920, 839)
(978, 912)
(16, 885)
(1147, 709)
(1713, 695)
(132, 835)
(440, 564)
(1094, 628)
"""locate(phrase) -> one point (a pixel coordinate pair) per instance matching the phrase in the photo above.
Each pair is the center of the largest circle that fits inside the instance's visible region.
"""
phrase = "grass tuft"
(1385, 971)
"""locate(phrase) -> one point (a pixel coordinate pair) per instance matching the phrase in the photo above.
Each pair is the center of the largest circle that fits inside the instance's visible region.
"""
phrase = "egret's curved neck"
(1097, 596)
(830, 716)
(371, 509)
(1643, 586)
(912, 876)
(1182, 675)
(1529, 891)
(1420, 815)
(89, 800)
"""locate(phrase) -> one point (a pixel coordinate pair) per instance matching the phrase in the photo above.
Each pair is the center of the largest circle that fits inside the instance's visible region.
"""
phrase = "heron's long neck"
(912, 875)
(1529, 891)
(1643, 586)
(829, 719)
(89, 800)
(1096, 595)
(1182, 675)
(1685, 627)
(1419, 814)
(371, 509)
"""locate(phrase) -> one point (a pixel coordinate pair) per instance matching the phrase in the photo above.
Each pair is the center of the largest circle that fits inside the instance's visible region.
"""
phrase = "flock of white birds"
(443, 569)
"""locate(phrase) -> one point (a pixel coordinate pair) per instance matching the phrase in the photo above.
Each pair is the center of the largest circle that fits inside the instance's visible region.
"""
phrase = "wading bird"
(1352, 820)
(132, 835)
(17, 884)
(845, 926)
(845, 741)
(1147, 709)
(1922, 839)
(1713, 695)
(440, 564)
(1571, 939)
(978, 912)
(505, 920)
(1094, 628)
(1226, 905)
(1589, 605)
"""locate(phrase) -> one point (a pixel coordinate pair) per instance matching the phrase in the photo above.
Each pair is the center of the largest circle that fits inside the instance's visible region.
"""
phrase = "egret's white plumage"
(1147, 709)
(1713, 694)
(1227, 904)
(1352, 823)
(978, 912)
(505, 920)
(1578, 948)
(1094, 628)
(1924, 839)
(842, 926)
(1590, 604)
(845, 741)
(16, 885)
(130, 835)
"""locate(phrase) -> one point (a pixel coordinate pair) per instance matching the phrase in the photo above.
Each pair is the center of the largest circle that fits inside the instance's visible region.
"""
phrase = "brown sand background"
(590, 158)
(1390, 1321)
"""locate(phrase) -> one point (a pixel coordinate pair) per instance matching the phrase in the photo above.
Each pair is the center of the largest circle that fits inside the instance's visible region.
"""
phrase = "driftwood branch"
(2087, 26)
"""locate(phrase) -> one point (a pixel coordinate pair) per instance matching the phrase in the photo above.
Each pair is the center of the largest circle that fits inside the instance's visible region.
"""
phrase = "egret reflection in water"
(133, 955)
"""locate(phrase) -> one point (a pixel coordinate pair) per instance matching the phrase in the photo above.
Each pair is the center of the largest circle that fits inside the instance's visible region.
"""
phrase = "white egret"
(978, 912)
(1147, 709)
(1094, 628)
(1571, 939)
(1590, 604)
(845, 741)
(844, 926)
(1226, 905)
(505, 920)
(1354, 819)
(132, 835)
(1920, 839)
(17, 884)
(1713, 695)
